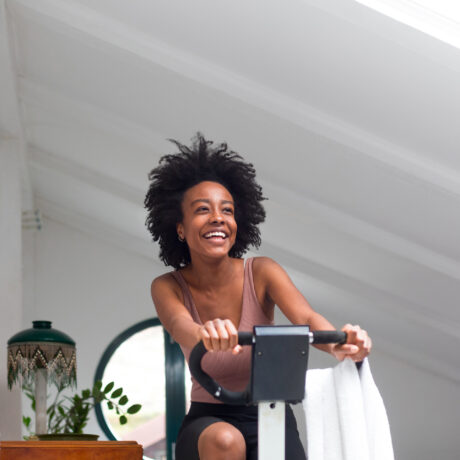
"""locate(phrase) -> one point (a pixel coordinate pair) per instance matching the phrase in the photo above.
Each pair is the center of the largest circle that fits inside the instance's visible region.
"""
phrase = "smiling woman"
(204, 208)
(192, 165)
(208, 222)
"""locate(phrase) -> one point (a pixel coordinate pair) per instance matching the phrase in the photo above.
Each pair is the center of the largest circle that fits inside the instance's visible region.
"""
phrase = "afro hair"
(176, 173)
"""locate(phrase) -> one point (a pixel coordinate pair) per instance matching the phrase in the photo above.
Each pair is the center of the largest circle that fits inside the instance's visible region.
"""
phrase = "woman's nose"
(216, 217)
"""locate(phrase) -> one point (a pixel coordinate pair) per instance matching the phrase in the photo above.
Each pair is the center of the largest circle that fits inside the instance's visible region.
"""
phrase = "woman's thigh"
(187, 440)
(293, 447)
(208, 435)
(194, 426)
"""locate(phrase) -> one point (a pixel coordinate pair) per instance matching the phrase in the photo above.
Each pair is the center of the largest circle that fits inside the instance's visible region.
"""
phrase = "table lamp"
(40, 355)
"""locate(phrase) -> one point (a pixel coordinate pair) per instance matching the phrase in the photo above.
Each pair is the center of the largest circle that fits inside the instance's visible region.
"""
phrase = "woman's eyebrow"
(205, 200)
(198, 200)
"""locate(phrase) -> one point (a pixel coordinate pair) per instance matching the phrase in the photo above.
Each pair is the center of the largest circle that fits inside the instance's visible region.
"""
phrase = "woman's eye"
(228, 210)
(202, 209)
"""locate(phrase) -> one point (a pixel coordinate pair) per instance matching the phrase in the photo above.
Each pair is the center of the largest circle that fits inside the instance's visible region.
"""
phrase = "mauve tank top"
(231, 371)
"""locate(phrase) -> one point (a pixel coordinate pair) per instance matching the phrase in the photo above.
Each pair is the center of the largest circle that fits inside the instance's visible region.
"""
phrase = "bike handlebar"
(245, 338)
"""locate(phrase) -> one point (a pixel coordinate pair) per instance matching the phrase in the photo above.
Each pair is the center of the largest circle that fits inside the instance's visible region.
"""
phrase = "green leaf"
(86, 394)
(61, 411)
(109, 387)
(117, 393)
(26, 421)
(123, 400)
(98, 385)
(123, 420)
(110, 405)
(99, 396)
(134, 408)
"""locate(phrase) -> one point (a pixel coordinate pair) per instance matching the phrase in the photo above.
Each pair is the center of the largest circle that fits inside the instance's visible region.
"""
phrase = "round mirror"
(135, 361)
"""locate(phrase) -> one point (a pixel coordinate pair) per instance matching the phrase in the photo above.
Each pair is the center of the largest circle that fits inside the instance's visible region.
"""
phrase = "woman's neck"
(210, 273)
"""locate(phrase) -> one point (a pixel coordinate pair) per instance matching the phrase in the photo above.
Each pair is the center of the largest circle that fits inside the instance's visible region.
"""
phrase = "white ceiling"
(350, 118)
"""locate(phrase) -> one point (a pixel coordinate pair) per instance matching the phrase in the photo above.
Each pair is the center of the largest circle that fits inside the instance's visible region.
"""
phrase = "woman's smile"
(208, 222)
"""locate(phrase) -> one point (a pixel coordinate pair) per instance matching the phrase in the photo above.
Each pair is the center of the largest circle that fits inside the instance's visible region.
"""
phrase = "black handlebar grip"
(329, 337)
(208, 383)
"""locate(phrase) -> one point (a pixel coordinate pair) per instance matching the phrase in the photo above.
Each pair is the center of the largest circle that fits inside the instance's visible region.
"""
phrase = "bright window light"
(438, 18)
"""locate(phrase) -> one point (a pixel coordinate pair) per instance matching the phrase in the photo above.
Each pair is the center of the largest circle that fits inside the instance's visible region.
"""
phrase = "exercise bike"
(278, 372)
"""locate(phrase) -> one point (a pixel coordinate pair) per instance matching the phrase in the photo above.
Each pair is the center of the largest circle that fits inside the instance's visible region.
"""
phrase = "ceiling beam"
(390, 319)
(290, 202)
(91, 177)
(33, 93)
(393, 305)
(406, 22)
(78, 21)
(358, 228)
(98, 229)
(412, 312)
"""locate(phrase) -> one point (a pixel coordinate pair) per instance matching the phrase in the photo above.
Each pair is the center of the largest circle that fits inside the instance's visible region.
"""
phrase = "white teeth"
(211, 234)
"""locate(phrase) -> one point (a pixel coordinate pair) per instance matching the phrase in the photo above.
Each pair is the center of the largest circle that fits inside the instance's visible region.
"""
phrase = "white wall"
(10, 280)
(89, 289)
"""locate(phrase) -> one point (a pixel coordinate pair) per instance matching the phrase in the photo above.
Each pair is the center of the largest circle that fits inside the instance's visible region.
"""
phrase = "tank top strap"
(188, 299)
(249, 291)
(252, 313)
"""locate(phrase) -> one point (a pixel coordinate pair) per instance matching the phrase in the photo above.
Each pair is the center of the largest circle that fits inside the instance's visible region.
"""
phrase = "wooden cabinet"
(70, 450)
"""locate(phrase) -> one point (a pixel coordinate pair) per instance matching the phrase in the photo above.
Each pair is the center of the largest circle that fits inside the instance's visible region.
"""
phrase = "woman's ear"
(180, 231)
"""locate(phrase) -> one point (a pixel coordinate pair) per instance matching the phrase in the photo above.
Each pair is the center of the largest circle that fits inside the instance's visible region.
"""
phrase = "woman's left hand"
(358, 344)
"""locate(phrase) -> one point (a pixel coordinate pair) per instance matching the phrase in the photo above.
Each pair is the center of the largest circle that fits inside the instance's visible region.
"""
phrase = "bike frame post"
(271, 430)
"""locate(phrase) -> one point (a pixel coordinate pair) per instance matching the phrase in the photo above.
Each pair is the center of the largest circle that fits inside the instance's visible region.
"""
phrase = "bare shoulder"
(266, 272)
(165, 284)
(265, 267)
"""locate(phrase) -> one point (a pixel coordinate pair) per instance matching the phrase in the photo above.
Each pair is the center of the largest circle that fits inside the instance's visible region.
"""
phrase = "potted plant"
(68, 415)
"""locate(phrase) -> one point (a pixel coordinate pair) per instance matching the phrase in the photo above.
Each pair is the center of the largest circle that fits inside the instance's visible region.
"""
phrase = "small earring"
(180, 238)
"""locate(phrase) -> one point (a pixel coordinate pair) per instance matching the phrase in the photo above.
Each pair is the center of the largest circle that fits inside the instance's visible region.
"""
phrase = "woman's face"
(208, 224)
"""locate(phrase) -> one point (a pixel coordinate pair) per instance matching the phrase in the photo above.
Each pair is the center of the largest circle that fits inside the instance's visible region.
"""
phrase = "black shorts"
(244, 418)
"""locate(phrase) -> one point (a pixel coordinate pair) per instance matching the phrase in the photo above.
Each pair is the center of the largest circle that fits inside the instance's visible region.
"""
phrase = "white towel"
(345, 415)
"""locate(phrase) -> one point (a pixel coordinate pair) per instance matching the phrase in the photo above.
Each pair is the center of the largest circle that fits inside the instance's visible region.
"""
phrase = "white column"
(271, 430)
(10, 281)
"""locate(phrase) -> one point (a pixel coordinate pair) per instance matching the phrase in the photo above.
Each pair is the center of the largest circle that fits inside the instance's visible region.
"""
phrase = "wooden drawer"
(70, 450)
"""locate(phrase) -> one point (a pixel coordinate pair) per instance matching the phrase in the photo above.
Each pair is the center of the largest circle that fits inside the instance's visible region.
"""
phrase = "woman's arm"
(280, 290)
(217, 335)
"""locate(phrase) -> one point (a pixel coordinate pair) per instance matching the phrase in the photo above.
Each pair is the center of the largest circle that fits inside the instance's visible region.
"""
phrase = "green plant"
(70, 414)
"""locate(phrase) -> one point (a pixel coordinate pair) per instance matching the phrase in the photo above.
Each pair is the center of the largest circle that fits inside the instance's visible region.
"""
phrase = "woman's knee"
(220, 440)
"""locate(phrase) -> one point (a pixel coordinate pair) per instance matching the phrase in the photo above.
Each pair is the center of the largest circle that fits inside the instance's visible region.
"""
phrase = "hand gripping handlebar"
(245, 338)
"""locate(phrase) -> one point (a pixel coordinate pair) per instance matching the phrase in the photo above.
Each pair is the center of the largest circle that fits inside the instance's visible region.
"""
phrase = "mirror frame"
(174, 381)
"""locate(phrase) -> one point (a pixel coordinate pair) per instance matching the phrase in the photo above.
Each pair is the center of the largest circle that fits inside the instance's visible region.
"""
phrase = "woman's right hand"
(219, 335)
